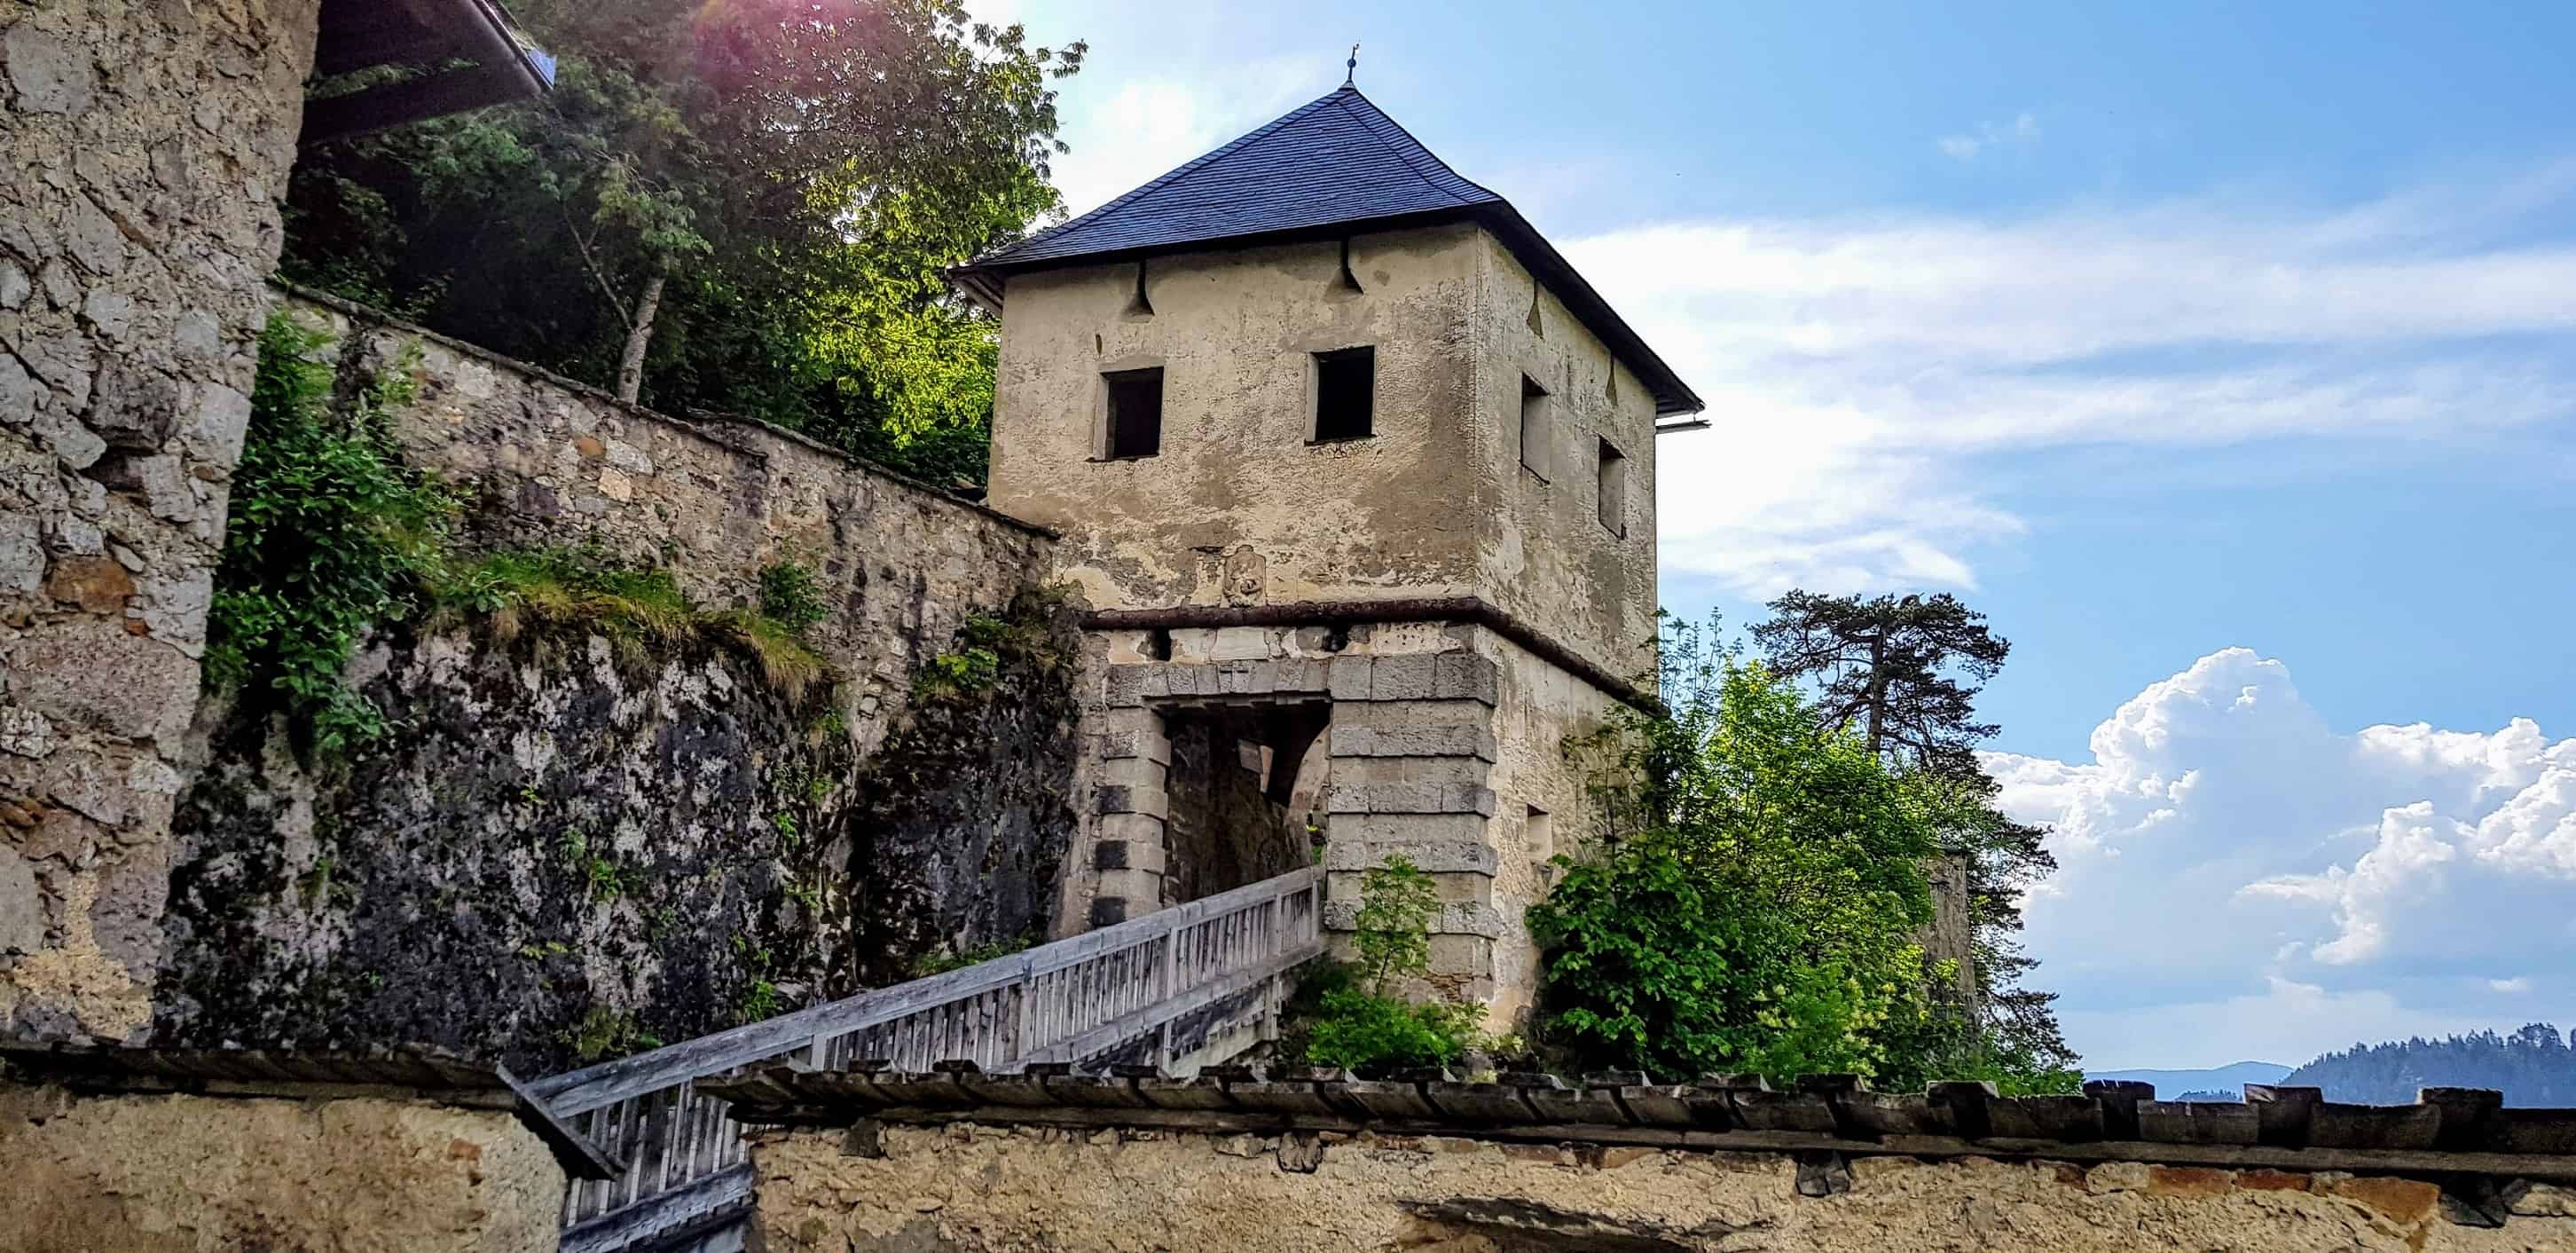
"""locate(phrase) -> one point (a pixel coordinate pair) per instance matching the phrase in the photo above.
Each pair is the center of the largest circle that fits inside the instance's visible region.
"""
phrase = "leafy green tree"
(1757, 910)
(1359, 1018)
(1903, 673)
(1392, 927)
(741, 206)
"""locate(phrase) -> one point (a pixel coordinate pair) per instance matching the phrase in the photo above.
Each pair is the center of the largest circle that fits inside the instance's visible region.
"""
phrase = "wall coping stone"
(1825, 1113)
(415, 1072)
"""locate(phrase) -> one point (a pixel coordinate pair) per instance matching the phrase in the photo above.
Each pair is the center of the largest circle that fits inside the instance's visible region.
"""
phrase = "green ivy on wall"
(330, 534)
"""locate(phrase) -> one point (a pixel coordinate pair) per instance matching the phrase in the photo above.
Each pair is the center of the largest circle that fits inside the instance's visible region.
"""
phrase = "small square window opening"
(1538, 831)
(1534, 428)
(1612, 489)
(1135, 413)
(1345, 394)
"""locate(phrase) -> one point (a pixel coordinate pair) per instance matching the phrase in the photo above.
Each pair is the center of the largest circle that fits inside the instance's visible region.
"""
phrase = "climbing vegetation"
(330, 533)
(1757, 903)
(332, 536)
(604, 1033)
(984, 642)
(791, 596)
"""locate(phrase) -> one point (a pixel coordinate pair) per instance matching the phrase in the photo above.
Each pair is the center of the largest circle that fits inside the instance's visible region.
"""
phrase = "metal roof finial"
(1351, 68)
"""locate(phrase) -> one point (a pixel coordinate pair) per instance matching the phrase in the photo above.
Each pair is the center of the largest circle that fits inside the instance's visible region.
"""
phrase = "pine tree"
(1904, 672)
(2532, 1067)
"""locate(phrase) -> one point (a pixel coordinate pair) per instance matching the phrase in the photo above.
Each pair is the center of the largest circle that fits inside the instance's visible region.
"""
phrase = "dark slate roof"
(2448, 1130)
(1333, 162)
(1324, 169)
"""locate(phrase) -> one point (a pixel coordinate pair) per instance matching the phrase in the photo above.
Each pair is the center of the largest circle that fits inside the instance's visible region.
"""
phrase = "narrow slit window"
(1345, 394)
(1612, 487)
(1534, 428)
(1135, 413)
(1540, 833)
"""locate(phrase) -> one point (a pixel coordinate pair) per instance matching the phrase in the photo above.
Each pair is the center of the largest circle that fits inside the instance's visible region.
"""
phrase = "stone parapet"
(1309, 1159)
(171, 1149)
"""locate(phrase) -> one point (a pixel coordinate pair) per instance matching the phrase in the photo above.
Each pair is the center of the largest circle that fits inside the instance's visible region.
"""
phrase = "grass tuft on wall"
(636, 609)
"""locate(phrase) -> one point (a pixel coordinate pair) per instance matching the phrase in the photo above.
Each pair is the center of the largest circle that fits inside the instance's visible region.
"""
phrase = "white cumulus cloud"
(1867, 375)
(2226, 854)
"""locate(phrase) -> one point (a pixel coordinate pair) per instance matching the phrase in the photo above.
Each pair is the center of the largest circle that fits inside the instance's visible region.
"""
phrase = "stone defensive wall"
(1311, 1160)
(150, 840)
(552, 461)
(146, 150)
(582, 843)
(175, 1151)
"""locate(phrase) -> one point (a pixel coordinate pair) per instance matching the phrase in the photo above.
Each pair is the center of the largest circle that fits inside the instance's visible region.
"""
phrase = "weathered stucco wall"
(1241, 507)
(145, 146)
(195, 1174)
(965, 1189)
(1543, 553)
(1543, 803)
(570, 848)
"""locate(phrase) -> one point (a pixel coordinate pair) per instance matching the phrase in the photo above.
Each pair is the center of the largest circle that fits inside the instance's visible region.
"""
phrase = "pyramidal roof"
(1333, 167)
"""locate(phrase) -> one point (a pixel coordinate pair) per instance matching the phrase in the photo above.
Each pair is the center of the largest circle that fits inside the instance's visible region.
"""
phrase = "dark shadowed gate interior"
(1247, 795)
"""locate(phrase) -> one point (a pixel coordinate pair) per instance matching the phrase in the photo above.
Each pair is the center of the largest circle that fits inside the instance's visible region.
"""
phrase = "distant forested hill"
(2229, 1080)
(2532, 1066)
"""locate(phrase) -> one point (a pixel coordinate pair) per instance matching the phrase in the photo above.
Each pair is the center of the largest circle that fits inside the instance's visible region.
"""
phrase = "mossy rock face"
(556, 854)
(959, 825)
(569, 849)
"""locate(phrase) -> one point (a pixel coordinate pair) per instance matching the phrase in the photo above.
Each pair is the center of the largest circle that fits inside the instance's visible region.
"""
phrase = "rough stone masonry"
(147, 148)
(979, 1189)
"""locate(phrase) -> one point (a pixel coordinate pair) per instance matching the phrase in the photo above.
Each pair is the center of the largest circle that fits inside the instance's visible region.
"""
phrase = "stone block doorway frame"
(1386, 754)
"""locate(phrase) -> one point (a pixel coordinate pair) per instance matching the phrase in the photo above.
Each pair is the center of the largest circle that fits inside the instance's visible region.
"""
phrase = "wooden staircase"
(1181, 988)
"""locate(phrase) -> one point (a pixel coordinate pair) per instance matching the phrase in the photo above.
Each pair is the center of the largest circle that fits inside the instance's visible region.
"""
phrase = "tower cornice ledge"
(1471, 609)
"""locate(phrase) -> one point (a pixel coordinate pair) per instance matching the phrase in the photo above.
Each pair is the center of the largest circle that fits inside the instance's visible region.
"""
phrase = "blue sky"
(2220, 353)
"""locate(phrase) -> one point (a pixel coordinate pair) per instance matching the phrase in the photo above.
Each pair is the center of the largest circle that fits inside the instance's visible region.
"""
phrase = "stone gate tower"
(1357, 475)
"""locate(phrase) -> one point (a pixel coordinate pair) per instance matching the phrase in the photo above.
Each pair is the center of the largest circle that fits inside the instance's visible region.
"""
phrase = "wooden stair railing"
(1073, 1001)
